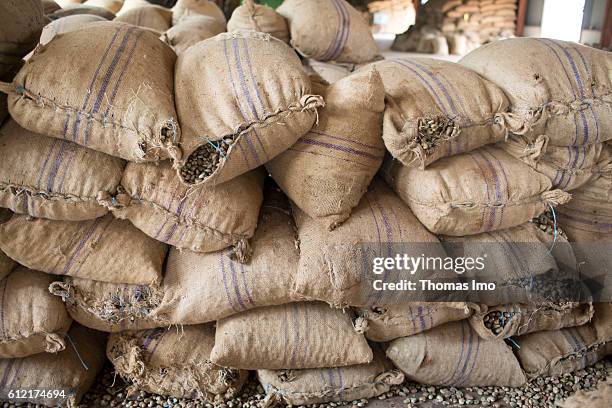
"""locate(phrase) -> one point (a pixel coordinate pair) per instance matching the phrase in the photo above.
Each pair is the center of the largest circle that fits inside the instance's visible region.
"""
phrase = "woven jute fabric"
(51, 178)
(73, 370)
(562, 89)
(75, 9)
(154, 17)
(191, 30)
(105, 249)
(6, 263)
(174, 362)
(329, 168)
(122, 101)
(454, 355)
(329, 30)
(196, 7)
(258, 17)
(66, 24)
(599, 397)
(33, 320)
(292, 336)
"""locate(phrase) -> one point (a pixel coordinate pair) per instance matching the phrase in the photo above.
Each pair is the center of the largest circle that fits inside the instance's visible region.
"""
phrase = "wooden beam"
(520, 17)
(606, 31)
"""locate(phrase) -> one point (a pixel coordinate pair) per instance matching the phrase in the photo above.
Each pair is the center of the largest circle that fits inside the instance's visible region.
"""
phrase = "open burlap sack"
(175, 362)
(454, 355)
(517, 319)
(105, 249)
(322, 385)
(66, 24)
(197, 288)
(259, 17)
(599, 397)
(329, 168)
(74, 9)
(294, 336)
(111, 5)
(51, 178)
(554, 353)
(191, 30)
(437, 109)
(33, 321)
(569, 167)
(236, 112)
(382, 324)
(483, 190)
(330, 72)
(6, 263)
(154, 17)
(184, 8)
(22, 22)
(562, 89)
(118, 104)
(202, 219)
(336, 266)
(72, 370)
(329, 30)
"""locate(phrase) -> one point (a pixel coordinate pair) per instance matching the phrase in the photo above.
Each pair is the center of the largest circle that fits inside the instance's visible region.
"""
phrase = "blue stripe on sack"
(224, 278)
(235, 285)
(468, 375)
(412, 319)
(346, 26)
(100, 235)
(339, 26)
(590, 81)
(254, 82)
(487, 222)
(88, 234)
(462, 373)
(497, 179)
(7, 371)
(436, 80)
(439, 102)
(44, 166)
(450, 380)
(75, 130)
(421, 319)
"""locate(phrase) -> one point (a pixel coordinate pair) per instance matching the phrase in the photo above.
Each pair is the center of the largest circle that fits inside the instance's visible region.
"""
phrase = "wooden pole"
(520, 17)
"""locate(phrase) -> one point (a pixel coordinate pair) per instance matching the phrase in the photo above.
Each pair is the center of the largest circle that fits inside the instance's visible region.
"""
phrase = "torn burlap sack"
(173, 361)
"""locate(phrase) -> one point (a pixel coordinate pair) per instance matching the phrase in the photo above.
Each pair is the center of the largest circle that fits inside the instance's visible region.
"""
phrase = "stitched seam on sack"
(454, 204)
(44, 194)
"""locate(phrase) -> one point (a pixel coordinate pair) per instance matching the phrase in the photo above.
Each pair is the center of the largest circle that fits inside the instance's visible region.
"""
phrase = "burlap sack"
(329, 30)
(202, 219)
(66, 24)
(569, 167)
(562, 89)
(191, 30)
(196, 7)
(454, 355)
(296, 335)
(484, 190)
(335, 265)
(174, 362)
(517, 319)
(599, 397)
(118, 104)
(197, 288)
(6, 263)
(154, 17)
(21, 21)
(74, 9)
(70, 372)
(105, 249)
(111, 5)
(49, 6)
(259, 17)
(330, 72)
(132, 4)
(235, 111)
(50, 178)
(438, 108)
(68, 3)
(33, 321)
(329, 168)
(554, 353)
(382, 324)
(322, 385)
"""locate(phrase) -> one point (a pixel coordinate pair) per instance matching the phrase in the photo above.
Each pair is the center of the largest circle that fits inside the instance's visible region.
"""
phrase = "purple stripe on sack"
(295, 314)
(344, 149)
(56, 165)
(454, 373)
(285, 324)
(344, 33)
(6, 373)
(100, 235)
(496, 179)
(585, 221)
(159, 341)
(2, 307)
(318, 132)
(340, 382)
(501, 170)
(242, 79)
(75, 131)
(254, 82)
(235, 285)
(44, 166)
(583, 345)
(389, 236)
(412, 319)
(421, 319)
(179, 212)
(590, 81)
(20, 364)
(224, 277)
(339, 26)
(426, 83)
(547, 43)
(239, 104)
(436, 80)
(73, 151)
(474, 360)
(148, 338)
(306, 332)
(88, 233)
(246, 286)
(486, 224)
(571, 164)
(468, 355)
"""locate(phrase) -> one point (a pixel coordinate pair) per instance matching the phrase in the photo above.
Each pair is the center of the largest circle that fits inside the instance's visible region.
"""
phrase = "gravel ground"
(109, 391)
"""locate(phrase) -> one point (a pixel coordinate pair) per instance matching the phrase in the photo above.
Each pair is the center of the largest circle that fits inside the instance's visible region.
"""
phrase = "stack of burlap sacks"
(458, 26)
(134, 170)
